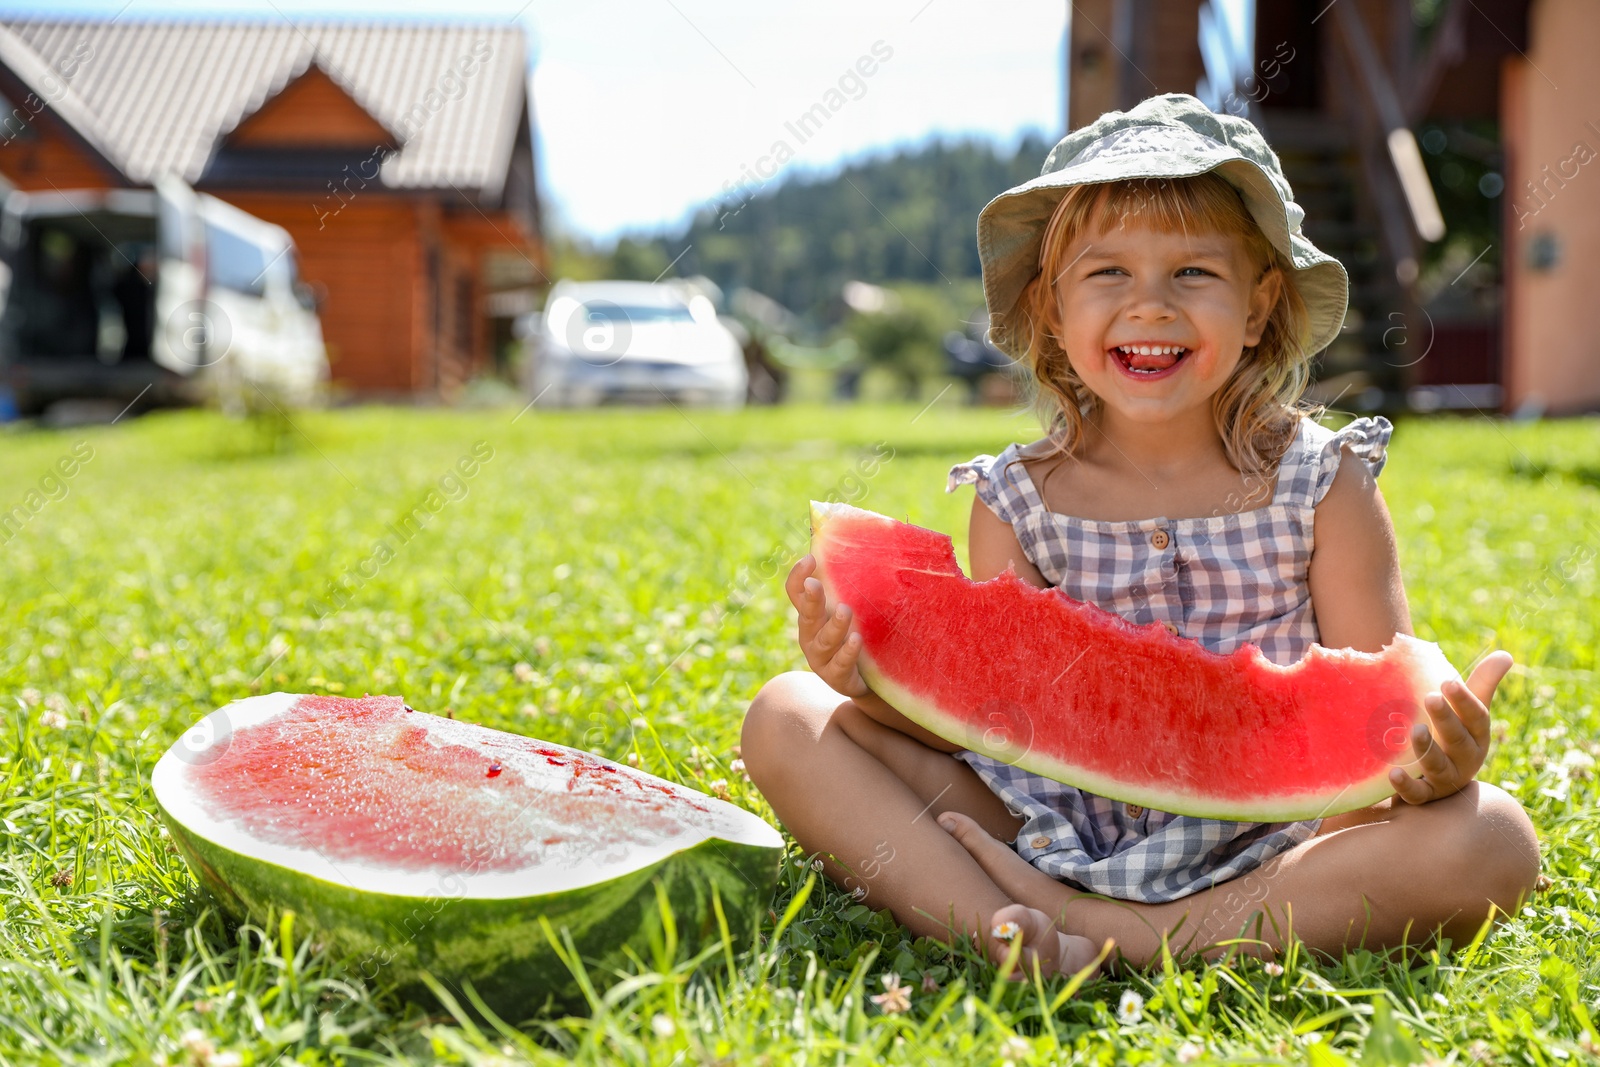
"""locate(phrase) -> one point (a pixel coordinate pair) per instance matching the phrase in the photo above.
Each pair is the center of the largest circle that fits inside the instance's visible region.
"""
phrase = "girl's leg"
(1387, 875)
(867, 798)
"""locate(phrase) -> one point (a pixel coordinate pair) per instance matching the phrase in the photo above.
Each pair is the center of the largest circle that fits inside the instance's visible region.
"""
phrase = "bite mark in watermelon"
(430, 844)
(1080, 695)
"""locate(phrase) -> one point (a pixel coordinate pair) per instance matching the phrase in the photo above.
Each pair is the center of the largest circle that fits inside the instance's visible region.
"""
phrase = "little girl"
(1155, 281)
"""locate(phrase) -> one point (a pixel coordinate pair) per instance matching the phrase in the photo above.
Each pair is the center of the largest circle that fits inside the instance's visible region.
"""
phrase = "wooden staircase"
(1364, 369)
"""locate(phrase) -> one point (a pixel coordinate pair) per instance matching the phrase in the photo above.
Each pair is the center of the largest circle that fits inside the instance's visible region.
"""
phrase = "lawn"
(602, 570)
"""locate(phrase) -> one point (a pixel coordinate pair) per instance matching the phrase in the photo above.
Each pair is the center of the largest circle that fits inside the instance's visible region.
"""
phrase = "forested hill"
(911, 216)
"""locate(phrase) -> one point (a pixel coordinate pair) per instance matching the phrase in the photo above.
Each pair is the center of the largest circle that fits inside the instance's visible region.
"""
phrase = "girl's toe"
(1031, 928)
(1044, 947)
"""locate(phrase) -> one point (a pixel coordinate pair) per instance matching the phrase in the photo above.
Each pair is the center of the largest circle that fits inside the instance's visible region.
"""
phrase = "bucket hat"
(1173, 135)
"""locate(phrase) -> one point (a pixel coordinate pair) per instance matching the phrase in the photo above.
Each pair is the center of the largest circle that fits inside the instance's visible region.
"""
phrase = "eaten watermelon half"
(1078, 694)
(420, 843)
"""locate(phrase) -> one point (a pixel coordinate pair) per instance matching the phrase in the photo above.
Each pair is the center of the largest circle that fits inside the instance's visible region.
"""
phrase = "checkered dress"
(1228, 579)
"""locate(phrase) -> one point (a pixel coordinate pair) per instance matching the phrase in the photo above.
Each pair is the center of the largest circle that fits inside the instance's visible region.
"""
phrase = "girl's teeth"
(1163, 356)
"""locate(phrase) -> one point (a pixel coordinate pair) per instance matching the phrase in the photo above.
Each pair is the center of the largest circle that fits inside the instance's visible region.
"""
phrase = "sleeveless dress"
(1224, 580)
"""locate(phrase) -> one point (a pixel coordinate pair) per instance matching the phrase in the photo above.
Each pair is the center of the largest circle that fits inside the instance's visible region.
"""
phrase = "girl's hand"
(1452, 753)
(830, 646)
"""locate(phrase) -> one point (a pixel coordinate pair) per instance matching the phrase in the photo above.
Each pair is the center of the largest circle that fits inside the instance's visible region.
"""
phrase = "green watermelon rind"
(1423, 660)
(458, 929)
(499, 945)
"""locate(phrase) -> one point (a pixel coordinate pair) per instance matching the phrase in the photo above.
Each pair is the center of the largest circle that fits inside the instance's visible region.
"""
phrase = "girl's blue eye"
(1108, 270)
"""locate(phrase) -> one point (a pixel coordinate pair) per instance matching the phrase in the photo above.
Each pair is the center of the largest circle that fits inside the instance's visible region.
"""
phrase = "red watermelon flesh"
(373, 782)
(1078, 694)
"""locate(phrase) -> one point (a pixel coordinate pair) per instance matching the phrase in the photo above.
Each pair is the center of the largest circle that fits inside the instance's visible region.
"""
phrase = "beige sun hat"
(1169, 136)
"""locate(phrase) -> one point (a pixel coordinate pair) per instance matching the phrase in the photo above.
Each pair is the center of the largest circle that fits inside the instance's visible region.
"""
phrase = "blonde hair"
(1258, 409)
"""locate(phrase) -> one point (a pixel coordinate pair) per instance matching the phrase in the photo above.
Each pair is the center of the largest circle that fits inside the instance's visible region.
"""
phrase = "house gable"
(311, 132)
(311, 112)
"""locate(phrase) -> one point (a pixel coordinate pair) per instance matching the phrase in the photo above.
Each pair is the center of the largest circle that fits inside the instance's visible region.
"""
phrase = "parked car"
(633, 341)
(970, 357)
(162, 296)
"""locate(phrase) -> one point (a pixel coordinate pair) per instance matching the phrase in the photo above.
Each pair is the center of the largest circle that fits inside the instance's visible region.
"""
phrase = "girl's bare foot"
(1043, 946)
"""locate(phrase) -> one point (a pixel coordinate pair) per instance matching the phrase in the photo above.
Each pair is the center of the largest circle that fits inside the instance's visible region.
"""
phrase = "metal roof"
(157, 97)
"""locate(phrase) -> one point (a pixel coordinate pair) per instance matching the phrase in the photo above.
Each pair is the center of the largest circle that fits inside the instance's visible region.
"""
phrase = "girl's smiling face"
(1125, 296)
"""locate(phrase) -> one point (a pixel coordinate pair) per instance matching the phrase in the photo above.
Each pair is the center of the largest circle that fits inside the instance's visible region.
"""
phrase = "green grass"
(188, 564)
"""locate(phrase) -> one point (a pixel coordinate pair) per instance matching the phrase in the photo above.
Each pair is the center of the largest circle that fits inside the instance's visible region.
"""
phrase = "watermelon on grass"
(420, 843)
(1078, 694)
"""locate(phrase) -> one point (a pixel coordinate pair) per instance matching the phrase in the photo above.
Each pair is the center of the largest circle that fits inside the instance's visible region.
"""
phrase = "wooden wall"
(38, 153)
(368, 257)
(393, 321)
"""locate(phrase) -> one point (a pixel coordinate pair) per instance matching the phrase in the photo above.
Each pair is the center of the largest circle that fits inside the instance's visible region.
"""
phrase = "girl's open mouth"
(1149, 362)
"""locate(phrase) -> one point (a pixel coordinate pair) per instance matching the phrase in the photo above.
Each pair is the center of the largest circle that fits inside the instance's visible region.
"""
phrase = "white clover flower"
(198, 1047)
(1188, 1052)
(1016, 1047)
(895, 997)
(662, 1025)
(1274, 969)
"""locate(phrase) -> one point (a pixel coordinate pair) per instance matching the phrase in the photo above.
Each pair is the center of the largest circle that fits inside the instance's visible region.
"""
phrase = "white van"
(158, 296)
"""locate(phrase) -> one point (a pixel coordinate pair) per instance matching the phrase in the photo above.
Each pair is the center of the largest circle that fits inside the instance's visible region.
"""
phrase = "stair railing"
(1415, 210)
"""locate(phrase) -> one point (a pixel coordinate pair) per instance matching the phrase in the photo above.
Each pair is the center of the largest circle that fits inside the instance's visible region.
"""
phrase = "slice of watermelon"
(1075, 693)
(423, 843)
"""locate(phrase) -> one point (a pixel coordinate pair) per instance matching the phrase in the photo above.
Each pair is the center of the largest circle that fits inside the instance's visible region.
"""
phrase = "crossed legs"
(871, 800)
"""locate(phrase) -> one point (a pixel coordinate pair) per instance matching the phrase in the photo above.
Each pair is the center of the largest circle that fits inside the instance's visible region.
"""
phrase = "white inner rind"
(1423, 661)
(183, 803)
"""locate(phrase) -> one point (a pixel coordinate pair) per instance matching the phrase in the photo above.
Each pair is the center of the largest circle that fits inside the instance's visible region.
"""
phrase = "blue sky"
(645, 109)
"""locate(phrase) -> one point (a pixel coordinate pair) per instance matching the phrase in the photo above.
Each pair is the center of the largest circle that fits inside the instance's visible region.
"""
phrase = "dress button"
(1133, 810)
(1039, 842)
(1171, 629)
(1159, 539)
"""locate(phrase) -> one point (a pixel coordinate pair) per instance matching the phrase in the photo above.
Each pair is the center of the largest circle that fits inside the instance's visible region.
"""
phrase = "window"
(600, 311)
(232, 262)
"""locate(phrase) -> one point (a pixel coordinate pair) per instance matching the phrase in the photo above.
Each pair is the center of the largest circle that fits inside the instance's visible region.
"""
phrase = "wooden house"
(398, 155)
